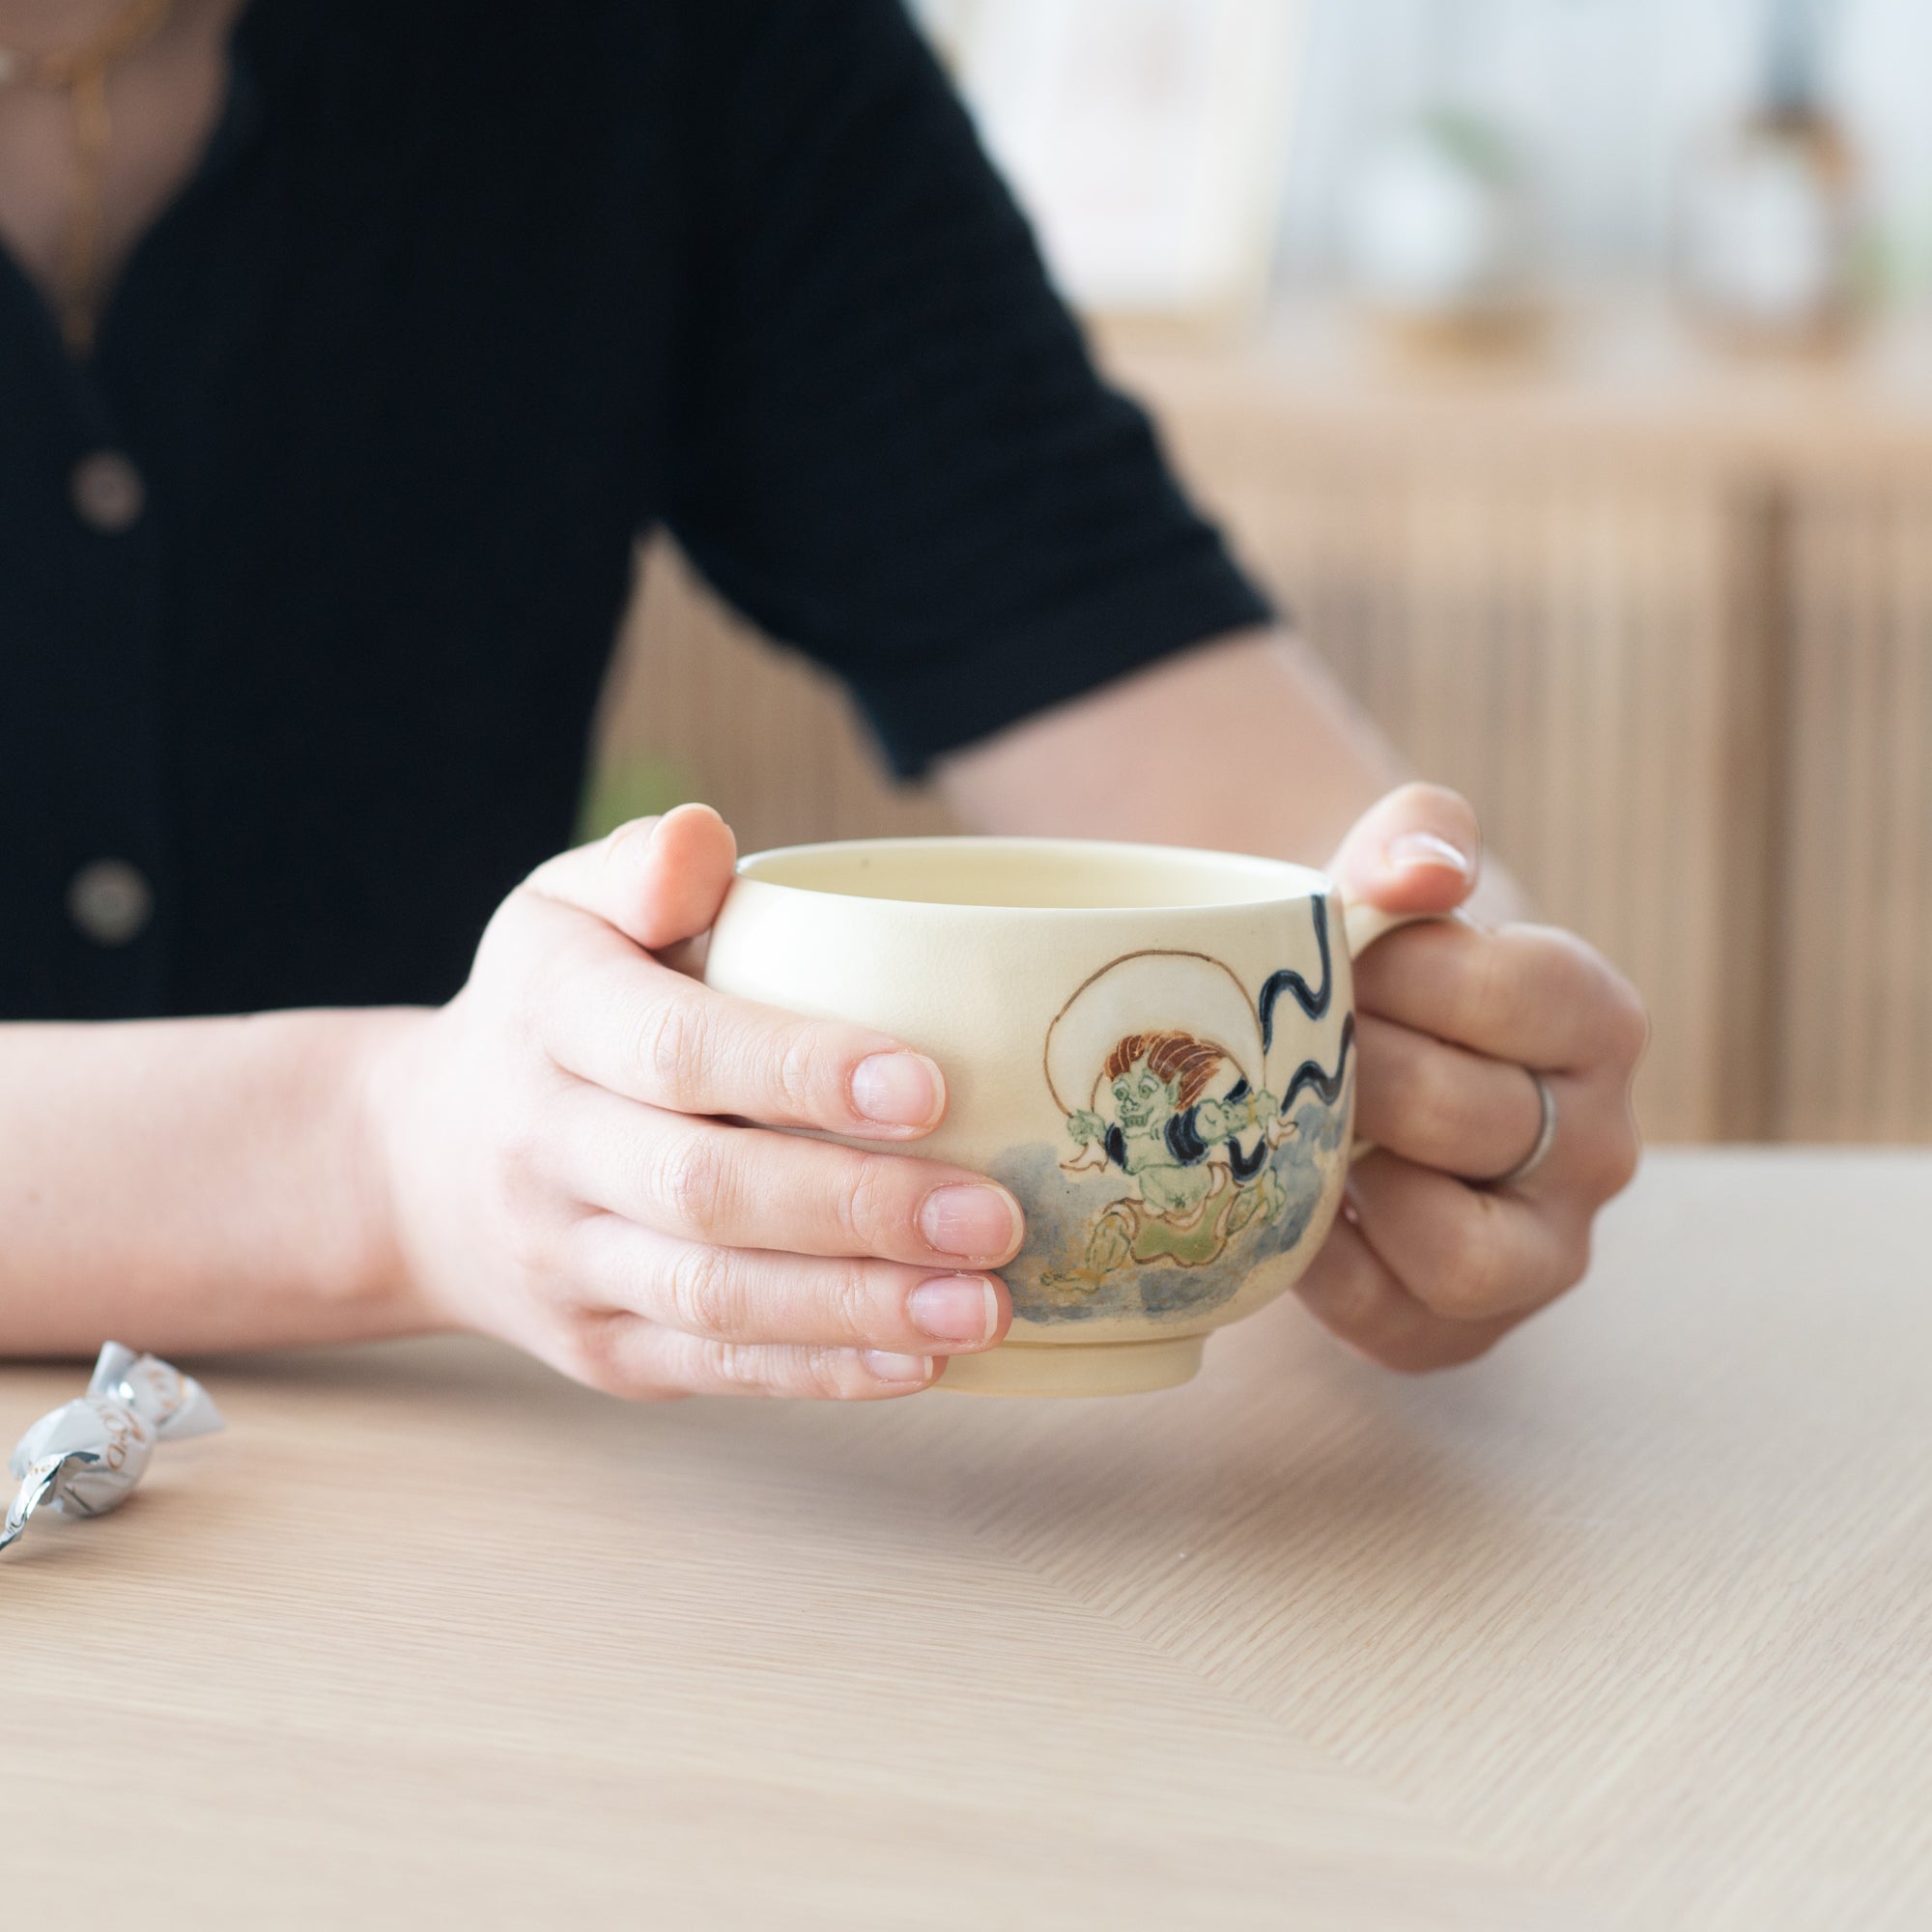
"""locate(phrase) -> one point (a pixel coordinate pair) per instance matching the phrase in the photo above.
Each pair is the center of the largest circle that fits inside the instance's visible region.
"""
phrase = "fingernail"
(891, 1367)
(971, 1220)
(899, 1090)
(956, 1308)
(1414, 849)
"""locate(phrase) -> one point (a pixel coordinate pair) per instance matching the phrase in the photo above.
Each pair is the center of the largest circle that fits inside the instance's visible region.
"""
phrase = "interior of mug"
(1071, 875)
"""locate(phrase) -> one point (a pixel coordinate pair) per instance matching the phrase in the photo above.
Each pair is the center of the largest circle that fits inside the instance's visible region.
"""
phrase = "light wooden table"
(1631, 1626)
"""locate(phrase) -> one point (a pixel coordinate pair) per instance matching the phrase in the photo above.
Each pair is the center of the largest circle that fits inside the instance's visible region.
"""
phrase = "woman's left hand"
(1429, 1267)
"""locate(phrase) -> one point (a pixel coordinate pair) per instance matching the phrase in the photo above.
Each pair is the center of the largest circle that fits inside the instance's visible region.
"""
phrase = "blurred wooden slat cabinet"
(1669, 628)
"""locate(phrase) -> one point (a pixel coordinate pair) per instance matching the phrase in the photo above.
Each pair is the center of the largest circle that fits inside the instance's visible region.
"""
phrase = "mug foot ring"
(1070, 1369)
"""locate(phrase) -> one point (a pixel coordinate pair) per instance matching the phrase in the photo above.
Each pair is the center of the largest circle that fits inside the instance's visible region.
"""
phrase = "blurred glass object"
(1606, 102)
(1770, 225)
(1120, 121)
(1438, 228)
(1147, 139)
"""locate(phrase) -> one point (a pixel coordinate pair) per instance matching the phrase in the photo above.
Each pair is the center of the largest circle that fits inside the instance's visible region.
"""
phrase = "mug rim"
(1290, 881)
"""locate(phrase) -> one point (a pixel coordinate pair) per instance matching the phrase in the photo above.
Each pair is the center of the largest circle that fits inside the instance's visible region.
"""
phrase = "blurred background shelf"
(1665, 616)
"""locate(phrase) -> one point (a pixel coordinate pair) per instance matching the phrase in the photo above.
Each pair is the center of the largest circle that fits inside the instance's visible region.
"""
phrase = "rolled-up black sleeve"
(890, 448)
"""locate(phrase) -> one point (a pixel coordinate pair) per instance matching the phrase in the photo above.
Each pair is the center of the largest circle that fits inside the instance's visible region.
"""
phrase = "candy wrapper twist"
(85, 1457)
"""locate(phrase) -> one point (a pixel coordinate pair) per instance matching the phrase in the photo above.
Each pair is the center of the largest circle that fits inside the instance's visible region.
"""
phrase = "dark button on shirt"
(111, 901)
(107, 491)
(307, 581)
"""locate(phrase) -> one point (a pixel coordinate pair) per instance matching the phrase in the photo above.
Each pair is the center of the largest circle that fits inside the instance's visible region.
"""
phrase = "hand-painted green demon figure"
(1198, 1189)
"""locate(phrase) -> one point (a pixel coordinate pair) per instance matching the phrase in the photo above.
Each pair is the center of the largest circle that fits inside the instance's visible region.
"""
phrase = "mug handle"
(1361, 926)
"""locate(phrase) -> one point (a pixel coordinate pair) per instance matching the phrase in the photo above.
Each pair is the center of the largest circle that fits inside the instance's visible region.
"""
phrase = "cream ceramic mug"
(1151, 1047)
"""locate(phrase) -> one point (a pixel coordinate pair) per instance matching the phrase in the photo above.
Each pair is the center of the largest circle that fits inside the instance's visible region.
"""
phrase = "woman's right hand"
(580, 1156)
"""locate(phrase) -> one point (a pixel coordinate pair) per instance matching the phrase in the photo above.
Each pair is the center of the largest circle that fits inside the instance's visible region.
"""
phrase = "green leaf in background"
(623, 788)
(1476, 143)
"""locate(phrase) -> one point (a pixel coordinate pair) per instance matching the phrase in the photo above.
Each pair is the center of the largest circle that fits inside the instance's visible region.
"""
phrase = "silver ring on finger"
(1546, 1136)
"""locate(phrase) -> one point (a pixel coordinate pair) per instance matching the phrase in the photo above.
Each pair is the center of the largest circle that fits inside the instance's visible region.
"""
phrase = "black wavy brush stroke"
(1312, 1074)
(1311, 1000)
(1183, 1136)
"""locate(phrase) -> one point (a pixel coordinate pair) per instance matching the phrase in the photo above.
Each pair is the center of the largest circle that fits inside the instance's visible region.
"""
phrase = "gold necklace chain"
(81, 74)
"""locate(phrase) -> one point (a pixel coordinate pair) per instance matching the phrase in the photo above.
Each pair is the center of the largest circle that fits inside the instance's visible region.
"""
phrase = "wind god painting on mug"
(1194, 1158)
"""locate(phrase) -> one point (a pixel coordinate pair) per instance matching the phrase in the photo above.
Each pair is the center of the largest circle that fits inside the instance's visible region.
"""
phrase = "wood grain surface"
(1629, 1626)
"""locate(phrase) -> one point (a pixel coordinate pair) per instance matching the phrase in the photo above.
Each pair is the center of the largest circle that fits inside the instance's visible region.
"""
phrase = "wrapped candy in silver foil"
(85, 1457)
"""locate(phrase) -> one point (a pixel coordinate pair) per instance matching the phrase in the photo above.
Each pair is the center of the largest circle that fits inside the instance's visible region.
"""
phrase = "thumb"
(657, 880)
(1419, 849)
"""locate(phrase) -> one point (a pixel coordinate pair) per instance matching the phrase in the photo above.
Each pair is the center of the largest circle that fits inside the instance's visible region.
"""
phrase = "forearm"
(184, 1184)
(1248, 742)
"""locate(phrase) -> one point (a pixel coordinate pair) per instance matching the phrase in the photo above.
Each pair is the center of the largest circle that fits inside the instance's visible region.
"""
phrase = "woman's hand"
(581, 1161)
(1427, 1266)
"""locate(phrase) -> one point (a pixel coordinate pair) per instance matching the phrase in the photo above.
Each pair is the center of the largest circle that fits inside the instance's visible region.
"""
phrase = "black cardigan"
(462, 300)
